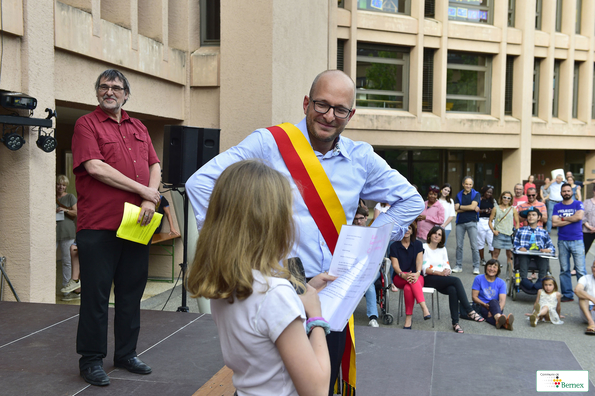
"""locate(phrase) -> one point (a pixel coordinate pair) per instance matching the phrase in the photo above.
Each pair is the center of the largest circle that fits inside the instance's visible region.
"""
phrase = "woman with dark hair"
(489, 291)
(437, 272)
(432, 215)
(406, 256)
(449, 209)
(484, 233)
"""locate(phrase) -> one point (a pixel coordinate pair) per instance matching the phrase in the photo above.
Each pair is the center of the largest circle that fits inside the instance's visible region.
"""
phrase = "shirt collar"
(102, 115)
(338, 144)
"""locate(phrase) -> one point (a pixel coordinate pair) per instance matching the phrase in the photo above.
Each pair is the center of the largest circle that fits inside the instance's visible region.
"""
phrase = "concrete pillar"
(440, 62)
(567, 65)
(350, 51)
(516, 164)
(416, 63)
(585, 92)
(28, 225)
(268, 62)
(546, 72)
(498, 83)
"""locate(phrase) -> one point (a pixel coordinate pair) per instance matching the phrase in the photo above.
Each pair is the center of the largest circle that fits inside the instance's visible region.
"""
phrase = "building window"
(511, 7)
(210, 22)
(575, 88)
(480, 11)
(508, 86)
(382, 77)
(341, 4)
(341, 55)
(430, 8)
(468, 78)
(556, 88)
(558, 15)
(536, 67)
(538, 7)
(579, 8)
(428, 80)
(388, 6)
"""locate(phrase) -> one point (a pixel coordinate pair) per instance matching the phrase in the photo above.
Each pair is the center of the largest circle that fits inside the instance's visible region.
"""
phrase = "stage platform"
(37, 357)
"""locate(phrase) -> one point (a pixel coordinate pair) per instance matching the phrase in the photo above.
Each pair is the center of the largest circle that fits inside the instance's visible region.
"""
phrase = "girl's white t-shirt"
(248, 331)
(435, 259)
(449, 211)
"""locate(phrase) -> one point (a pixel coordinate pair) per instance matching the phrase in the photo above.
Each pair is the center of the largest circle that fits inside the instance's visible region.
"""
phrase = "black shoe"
(95, 375)
(134, 365)
(566, 299)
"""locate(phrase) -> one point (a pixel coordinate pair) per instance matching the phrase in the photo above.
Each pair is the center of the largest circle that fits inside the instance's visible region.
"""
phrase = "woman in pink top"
(530, 183)
(432, 215)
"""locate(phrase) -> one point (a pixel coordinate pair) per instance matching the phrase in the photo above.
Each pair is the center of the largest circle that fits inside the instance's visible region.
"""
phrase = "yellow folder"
(133, 231)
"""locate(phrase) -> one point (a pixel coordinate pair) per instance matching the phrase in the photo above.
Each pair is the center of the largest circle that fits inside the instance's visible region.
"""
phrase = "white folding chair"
(425, 290)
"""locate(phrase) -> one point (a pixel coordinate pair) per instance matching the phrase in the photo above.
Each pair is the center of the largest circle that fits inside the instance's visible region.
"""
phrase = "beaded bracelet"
(317, 322)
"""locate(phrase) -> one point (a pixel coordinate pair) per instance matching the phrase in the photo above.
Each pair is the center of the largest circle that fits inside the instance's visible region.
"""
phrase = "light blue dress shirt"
(354, 171)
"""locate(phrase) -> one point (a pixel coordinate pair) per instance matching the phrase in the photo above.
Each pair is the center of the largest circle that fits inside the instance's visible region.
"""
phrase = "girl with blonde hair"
(248, 231)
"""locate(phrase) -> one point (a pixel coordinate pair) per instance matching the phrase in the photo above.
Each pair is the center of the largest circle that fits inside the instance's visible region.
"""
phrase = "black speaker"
(185, 149)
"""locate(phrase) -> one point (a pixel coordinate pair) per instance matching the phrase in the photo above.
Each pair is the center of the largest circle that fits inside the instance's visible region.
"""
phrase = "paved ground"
(571, 332)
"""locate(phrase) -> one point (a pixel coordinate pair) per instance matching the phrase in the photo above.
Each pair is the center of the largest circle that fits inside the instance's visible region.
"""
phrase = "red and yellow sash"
(324, 206)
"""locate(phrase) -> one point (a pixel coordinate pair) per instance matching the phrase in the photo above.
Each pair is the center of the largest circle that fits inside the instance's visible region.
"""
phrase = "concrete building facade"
(493, 89)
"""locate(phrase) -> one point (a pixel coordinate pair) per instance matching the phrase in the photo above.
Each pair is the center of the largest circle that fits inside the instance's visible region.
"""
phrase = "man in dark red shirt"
(114, 163)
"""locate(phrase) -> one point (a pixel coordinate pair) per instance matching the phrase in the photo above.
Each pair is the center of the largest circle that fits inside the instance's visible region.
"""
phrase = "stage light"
(47, 143)
(13, 141)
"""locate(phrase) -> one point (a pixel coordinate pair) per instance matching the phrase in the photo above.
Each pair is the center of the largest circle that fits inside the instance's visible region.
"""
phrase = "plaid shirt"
(523, 235)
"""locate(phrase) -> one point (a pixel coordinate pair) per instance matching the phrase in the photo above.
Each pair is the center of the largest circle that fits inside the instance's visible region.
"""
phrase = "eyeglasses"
(338, 111)
(531, 195)
(359, 219)
(506, 198)
(115, 89)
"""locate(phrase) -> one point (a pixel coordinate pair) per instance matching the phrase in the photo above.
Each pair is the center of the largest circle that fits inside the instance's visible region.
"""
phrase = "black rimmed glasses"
(115, 89)
(531, 195)
(338, 111)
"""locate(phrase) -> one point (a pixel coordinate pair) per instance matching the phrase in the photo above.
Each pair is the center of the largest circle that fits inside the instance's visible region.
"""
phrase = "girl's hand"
(311, 302)
(320, 280)
(496, 233)
(446, 272)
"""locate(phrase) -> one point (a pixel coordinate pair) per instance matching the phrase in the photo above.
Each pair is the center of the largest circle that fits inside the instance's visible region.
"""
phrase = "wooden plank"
(218, 385)
(162, 237)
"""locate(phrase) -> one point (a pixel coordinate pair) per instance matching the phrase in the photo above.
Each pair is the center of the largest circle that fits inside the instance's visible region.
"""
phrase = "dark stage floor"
(37, 357)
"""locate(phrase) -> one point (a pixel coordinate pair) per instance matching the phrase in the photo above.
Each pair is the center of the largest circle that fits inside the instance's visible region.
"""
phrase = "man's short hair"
(518, 184)
(531, 188)
(468, 178)
(111, 75)
(361, 211)
(313, 86)
(565, 185)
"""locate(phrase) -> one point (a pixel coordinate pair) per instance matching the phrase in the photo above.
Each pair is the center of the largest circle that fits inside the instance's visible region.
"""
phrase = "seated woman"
(407, 256)
(436, 269)
(489, 292)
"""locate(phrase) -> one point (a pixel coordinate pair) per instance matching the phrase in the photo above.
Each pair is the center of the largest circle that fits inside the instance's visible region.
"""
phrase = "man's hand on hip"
(147, 210)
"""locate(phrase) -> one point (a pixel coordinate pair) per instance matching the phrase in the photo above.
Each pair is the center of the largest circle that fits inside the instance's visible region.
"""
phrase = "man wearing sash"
(352, 168)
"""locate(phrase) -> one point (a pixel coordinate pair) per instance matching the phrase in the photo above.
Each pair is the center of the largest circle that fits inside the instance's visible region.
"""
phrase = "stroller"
(382, 286)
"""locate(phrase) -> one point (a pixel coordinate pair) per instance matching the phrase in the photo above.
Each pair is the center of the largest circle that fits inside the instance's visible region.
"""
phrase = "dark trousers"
(336, 346)
(452, 286)
(104, 259)
(494, 309)
(588, 239)
(542, 264)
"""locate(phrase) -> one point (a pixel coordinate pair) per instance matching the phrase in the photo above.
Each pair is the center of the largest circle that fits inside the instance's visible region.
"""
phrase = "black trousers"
(104, 259)
(541, 262)
(452, 286)
(336, 346)
(588, 239)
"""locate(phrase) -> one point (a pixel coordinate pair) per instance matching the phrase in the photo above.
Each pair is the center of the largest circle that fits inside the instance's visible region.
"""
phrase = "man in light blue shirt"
(353, 169)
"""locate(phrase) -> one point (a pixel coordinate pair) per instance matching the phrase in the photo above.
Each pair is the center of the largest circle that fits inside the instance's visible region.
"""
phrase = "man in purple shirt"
(568, 216)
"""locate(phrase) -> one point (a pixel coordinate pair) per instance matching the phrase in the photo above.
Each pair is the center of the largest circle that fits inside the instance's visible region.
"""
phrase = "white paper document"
(356, 261)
